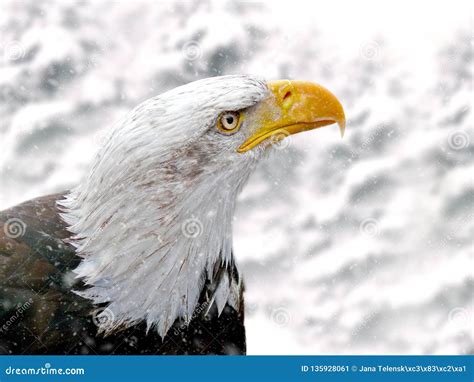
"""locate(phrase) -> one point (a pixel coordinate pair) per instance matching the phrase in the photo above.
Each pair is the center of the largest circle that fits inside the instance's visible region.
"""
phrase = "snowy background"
(359, 245)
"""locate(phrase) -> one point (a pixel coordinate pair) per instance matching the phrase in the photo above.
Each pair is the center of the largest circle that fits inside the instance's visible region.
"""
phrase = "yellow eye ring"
(229, 122)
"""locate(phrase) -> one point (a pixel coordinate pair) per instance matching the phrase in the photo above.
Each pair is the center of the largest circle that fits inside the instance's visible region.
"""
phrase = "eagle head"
(153, 217)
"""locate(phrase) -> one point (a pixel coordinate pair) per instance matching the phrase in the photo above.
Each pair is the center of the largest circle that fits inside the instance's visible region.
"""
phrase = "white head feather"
(154, 215)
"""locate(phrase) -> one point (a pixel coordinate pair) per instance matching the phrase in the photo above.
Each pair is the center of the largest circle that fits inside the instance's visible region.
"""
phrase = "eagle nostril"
(287, 100)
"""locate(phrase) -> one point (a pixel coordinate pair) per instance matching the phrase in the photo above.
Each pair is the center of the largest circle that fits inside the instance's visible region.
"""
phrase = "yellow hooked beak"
(293, 107)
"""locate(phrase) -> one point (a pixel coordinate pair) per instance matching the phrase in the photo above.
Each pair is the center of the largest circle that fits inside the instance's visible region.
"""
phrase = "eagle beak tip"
(342, 127)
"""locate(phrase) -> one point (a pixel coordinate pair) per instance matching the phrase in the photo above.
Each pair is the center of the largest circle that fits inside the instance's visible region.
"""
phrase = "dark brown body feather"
(40, 313)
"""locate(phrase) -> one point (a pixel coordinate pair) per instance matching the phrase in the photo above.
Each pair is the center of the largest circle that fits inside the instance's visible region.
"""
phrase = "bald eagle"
(137, 259)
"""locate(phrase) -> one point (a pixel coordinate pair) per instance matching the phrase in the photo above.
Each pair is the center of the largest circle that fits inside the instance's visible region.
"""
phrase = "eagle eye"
(229, 122)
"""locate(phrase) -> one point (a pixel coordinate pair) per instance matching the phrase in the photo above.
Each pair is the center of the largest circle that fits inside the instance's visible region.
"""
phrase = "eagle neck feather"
(149, 245)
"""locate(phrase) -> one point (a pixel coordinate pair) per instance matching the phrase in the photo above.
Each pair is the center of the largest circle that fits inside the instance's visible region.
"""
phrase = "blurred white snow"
(360, 245)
